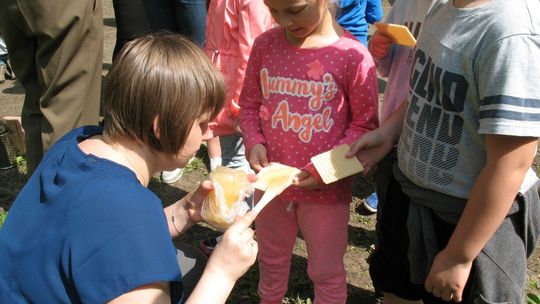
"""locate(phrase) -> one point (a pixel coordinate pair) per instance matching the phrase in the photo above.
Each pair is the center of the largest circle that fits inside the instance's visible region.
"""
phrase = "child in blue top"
(355, 15)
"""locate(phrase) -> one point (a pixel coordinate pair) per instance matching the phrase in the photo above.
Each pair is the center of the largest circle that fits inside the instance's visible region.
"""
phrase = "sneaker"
(371, 202)
(171, 177)
(208, 245)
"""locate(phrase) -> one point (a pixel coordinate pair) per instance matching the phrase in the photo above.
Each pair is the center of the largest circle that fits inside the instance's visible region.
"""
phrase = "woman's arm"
(231, 258)
(155, 293)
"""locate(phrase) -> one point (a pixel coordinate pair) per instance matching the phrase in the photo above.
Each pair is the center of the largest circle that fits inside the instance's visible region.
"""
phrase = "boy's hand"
(236, 251)
(305, 180)
(370, 149)
(379, 45)
(257, 157)
(447, 277)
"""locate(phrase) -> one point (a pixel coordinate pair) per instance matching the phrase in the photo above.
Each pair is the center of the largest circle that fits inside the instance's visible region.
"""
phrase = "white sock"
(214, 163)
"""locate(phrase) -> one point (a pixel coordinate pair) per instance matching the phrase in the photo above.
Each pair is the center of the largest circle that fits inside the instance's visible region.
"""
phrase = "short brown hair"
(165, 76)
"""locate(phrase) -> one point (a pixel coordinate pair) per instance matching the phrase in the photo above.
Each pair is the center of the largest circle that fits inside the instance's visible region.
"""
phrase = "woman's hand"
(236, 251)
(258, 157)
(231, 258)
(187, 211)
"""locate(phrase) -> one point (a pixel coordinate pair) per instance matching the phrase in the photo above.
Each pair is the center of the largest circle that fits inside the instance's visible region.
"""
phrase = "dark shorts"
(497, 273)
(389, 267)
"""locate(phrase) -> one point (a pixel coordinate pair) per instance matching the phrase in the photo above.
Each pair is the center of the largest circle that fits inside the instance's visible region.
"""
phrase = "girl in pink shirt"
(310, 86)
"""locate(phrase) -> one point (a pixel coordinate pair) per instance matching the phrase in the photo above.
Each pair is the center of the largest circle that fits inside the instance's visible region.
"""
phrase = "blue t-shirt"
(83, 229)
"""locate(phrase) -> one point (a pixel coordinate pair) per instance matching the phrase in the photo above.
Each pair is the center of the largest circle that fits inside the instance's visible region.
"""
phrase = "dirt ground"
(361, 226)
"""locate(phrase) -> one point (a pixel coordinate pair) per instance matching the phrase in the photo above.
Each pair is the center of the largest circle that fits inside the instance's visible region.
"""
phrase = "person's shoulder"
(271, 34)
(519, 17)
(269, 38)
(348, 42)
(84, 131)
(507, 22)
(122, 190)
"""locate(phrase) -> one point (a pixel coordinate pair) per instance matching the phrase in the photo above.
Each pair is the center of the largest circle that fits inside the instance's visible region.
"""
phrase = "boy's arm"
(374, 145)
(363, 108)
(381, 49)
(508, 159)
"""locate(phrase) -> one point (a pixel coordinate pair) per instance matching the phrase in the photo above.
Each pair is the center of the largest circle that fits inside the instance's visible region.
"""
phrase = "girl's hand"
(236, 251)
(305, 180)
(257, 157)
(370, 149)
(379, 45)
(448, 277)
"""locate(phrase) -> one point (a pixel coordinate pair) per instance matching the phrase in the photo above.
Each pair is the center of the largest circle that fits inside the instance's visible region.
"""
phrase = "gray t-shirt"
(475, 72)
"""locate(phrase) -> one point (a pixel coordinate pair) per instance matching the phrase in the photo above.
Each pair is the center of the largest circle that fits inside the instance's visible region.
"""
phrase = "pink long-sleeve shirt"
(302, 102)
(231, 28)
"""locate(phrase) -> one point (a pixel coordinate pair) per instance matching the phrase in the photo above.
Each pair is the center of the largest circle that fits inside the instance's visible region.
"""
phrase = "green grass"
(3, 215)
(533, 299)
(194, 165)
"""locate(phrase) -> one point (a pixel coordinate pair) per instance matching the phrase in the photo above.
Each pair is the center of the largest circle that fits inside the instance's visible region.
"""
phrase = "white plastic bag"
(228, 199)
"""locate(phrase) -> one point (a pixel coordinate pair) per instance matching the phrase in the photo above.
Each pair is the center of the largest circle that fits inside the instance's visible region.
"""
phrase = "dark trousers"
(56, 51)
(135, 18)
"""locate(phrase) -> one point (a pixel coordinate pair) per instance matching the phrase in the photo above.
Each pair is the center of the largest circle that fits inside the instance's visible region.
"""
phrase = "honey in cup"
(227, 200)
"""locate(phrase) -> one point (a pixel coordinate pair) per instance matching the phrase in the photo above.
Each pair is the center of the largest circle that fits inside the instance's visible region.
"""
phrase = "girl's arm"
(251, 100)
(363, 96)
(508, 159)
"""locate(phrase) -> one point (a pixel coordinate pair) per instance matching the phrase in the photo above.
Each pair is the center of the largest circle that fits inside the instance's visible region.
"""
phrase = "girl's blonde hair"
(164, 76)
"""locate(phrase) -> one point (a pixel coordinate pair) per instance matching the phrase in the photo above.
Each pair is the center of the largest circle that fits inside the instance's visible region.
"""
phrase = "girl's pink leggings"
(324, 229)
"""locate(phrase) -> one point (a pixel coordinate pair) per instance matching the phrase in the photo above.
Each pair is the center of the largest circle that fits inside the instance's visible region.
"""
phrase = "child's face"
(298, 17)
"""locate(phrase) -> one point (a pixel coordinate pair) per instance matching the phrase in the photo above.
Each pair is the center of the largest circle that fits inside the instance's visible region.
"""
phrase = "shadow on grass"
(16, 88)
(361, 237)
(300, 288)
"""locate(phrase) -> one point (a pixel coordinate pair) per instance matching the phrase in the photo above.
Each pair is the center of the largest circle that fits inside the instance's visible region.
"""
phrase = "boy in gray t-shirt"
(467, 140)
